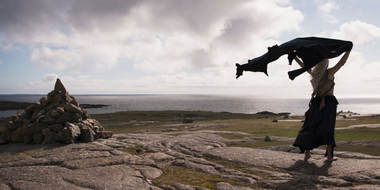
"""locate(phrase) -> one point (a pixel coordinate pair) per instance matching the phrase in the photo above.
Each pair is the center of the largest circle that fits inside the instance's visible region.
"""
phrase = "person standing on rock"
(319, 126)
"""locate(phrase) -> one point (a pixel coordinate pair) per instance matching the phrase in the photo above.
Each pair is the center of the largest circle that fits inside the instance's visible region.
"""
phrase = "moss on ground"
(176, 174)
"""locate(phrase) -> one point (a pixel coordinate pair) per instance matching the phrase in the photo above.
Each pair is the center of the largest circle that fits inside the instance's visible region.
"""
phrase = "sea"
(247, 104)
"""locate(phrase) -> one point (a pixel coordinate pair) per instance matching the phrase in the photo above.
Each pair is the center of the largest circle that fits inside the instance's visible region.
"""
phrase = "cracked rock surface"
(105, 164)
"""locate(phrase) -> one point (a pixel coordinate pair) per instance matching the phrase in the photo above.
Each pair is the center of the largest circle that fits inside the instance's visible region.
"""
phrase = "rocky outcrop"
(56, 117)
(105, 164)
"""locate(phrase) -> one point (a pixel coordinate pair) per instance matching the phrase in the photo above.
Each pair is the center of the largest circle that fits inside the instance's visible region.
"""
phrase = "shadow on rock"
(305, 175)
(310, 168)
(14, 148)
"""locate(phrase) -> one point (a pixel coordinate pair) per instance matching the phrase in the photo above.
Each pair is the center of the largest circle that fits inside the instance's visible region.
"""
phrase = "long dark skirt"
(319, 125)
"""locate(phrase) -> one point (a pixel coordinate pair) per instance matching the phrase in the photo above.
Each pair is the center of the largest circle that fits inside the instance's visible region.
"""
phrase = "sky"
(179, 46)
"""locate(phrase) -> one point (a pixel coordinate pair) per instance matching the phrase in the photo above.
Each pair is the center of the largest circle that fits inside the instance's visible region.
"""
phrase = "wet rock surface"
(104, 164)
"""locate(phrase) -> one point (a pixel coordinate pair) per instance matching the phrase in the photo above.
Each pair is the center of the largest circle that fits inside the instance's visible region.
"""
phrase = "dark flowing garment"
(311, 50)
(319, 126)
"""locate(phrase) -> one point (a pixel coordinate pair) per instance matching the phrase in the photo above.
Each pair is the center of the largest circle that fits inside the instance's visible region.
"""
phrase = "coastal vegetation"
(256, 125)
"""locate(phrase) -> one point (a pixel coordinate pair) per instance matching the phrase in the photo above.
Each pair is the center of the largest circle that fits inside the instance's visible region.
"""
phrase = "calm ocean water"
(216, 103)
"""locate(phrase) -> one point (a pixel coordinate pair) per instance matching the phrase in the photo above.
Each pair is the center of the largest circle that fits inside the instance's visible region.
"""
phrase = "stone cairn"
(56, 117)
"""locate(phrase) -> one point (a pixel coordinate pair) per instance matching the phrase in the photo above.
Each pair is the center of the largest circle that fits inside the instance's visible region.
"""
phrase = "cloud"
(45, 83)
(1, 62)
(325, 8)
(76, 60)
(52, 77)
(357, 31)
(156, 36)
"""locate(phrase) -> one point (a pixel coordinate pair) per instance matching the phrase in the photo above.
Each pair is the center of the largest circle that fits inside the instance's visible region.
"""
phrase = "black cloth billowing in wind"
(311, 50)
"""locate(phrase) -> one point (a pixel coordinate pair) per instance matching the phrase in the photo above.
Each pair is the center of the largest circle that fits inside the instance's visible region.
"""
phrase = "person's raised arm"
(301, 63)
(341, 62)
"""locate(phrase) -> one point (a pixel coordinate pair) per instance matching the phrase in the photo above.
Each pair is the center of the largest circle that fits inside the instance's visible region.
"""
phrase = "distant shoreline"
(13, 105)
(214, 103)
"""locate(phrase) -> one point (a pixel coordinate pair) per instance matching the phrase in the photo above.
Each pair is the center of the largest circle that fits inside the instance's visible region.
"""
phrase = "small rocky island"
(56, 117)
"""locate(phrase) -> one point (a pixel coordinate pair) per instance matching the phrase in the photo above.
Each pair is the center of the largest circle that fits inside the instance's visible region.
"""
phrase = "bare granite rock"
(227, 186)
(104, 164)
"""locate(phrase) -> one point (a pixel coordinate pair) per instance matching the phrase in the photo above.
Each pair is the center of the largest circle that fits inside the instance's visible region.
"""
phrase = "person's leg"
(307, 155)
(330, 157)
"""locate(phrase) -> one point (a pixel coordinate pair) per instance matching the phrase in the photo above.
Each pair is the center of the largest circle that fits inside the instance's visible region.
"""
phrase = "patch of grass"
(136, 150)
(241, 167)
(261, 127)
(118, 129)
(357, 121)
(175, 174)
(358, 134)
(253, 124)
(361, 149)
(118, 122)
(232, 136)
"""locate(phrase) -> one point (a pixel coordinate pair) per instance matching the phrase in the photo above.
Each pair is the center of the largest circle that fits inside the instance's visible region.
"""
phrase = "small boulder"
(60, 110)
(50, 137)
(59, 87)
(187, 120)
(29, 109)
(37, 105)
(48, 120)
(51, 106)
(68, 117)
(36, 128)
(46, 131)
(3, 141)
(28, 139)
(267, 138)
(69, 134)
(26, 115)
(38, 138)
(35, 115)
(16, 136)
(44, 101)
(41, 113)
(6, 135)
(87, 134)
(74, 101)
(11, 126)
(72, 108)
(93, 122)
(57, 127)
(53, 96)
(105, 134)
(19, 123)
(85, 123)
(54, 114)
(15, 117)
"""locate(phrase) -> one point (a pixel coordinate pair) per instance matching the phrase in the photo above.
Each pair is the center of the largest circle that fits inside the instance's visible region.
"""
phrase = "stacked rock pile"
(56, 117)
